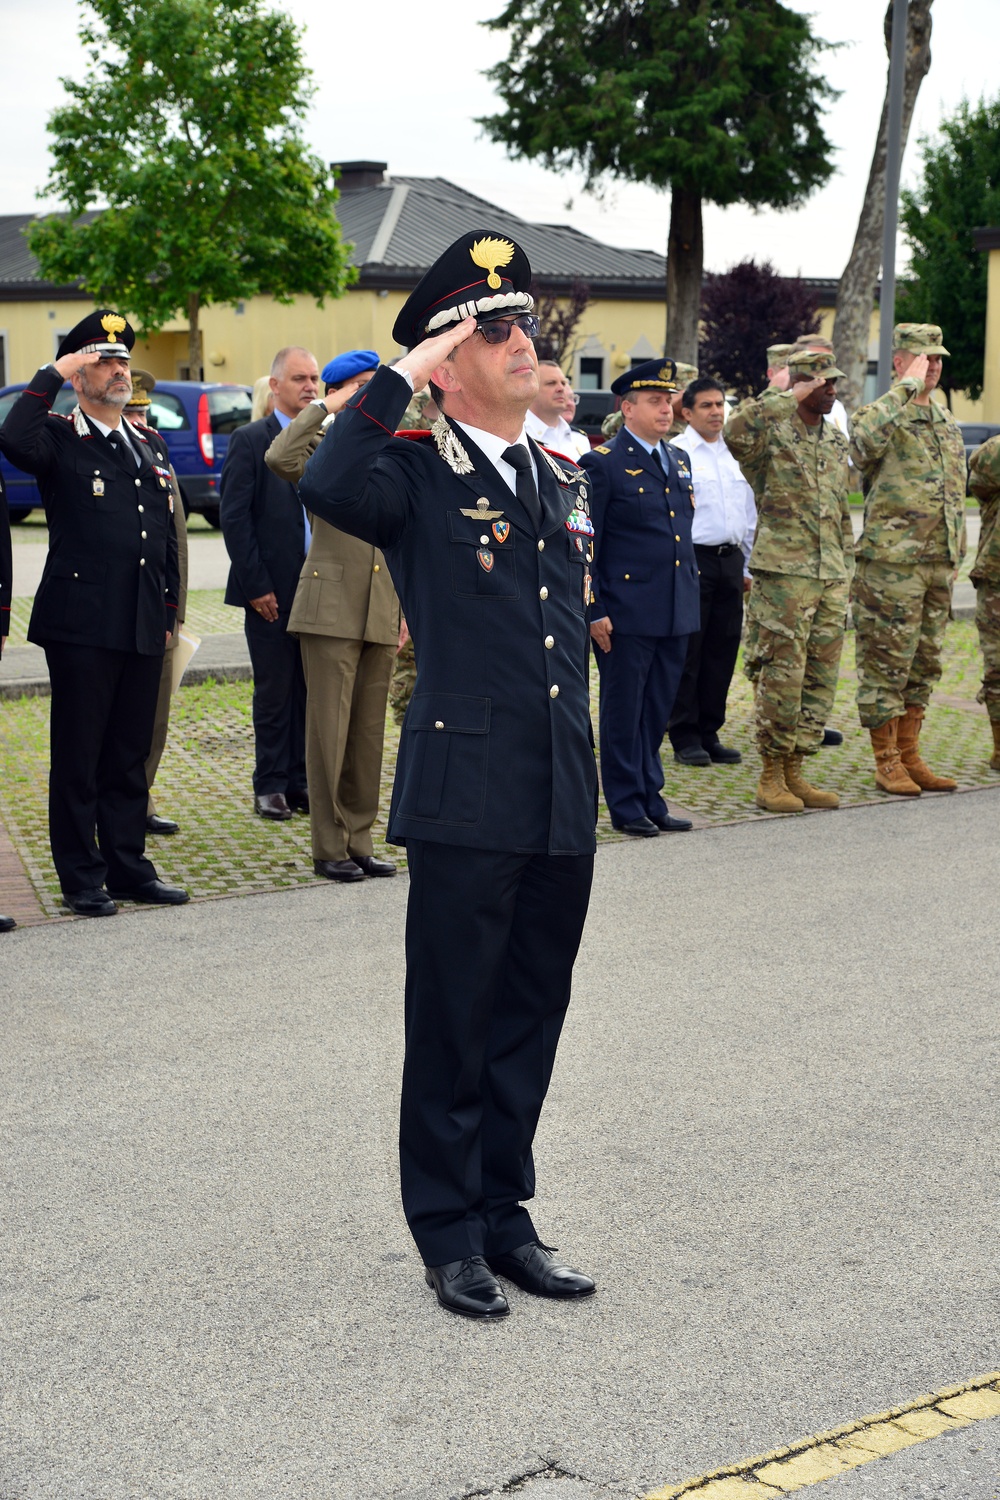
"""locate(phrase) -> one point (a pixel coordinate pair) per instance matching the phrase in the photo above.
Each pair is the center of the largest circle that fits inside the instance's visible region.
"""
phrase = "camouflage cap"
(813, 341)
(777, 356)
(685, 374)
(142, 384)
(810, 363)
(918, 338)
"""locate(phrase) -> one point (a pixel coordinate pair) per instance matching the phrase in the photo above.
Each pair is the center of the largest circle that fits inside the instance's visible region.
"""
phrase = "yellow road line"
(827, 1454)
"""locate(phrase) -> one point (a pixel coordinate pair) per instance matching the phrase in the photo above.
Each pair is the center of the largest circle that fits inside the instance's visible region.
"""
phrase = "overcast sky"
(401, 82)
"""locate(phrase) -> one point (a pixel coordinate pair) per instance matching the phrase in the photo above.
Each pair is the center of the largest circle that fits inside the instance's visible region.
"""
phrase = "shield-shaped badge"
(579, 543)
(485, 559)
(500, 530)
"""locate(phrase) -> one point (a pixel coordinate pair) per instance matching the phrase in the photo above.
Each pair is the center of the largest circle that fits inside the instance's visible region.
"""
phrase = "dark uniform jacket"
(6, 565)
(262, 520)
(496, 750)
(645, 573)
(111, 576)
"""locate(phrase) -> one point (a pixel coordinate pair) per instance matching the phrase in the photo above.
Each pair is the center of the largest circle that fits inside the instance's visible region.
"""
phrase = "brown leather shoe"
(338, 869)
(272, 805)
(890, 773)
(908, 743)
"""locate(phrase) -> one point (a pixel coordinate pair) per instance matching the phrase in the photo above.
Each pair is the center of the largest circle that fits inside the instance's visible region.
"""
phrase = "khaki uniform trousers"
(347, 683)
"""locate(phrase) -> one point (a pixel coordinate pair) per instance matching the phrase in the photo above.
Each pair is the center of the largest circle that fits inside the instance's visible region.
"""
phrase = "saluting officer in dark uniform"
(487, 539)
(6, 587)
(646, 597)
(104, 609)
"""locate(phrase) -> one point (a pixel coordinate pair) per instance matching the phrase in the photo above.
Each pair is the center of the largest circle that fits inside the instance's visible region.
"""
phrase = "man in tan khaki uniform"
(346, 616)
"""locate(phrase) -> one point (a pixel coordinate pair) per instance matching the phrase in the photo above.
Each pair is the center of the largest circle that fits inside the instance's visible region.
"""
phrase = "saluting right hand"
(917, 368)
(70, 364)
(422, 361)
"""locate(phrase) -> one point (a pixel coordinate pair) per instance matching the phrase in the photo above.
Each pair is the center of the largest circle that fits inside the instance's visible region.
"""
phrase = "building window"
(591, 374)
(4, 363)
(58, 334)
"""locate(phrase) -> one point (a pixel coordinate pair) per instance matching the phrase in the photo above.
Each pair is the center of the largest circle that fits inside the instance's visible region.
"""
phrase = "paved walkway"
(772, 1135)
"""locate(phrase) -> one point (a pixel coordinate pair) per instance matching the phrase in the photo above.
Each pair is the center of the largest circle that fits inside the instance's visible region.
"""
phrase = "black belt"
(724, 551)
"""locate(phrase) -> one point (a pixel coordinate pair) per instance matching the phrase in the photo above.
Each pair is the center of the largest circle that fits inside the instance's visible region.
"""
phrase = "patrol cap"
(102, 332)
(684, 374)
(354, 362)
(777, 356)
(143, 384)
(918, 338)
(652, 375)
(813, 341)
(483, 274)
(810, 363)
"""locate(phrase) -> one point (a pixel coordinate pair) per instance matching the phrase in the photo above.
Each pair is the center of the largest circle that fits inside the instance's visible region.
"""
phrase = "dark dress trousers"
(264, 528)
(646, 582)
(107, 598)
(699, 710)
(6, 566)
(494, 798)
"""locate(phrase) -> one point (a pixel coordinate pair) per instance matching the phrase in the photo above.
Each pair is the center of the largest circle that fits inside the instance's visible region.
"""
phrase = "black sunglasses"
(497, 330)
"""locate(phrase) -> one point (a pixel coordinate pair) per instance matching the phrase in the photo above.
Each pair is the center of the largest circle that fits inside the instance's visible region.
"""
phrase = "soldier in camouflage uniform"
(796, 464)
(984, 472)
(910, 453)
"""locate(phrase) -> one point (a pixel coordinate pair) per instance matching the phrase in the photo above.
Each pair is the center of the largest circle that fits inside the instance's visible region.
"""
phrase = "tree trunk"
(856, 293)
(685, 259)
(194, 337)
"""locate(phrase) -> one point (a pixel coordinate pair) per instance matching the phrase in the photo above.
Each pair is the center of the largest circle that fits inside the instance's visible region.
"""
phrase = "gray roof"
(399, 227)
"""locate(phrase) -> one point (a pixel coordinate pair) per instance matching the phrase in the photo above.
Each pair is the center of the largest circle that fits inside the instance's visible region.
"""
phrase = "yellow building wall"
(991, 361)
(33, 331)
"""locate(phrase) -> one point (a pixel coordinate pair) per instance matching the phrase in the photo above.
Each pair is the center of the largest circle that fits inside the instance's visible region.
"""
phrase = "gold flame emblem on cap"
(113, 325)
(492, 253)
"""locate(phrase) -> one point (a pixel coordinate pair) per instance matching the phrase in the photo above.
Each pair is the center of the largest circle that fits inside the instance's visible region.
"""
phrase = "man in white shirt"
(725, 519)
(545, 420)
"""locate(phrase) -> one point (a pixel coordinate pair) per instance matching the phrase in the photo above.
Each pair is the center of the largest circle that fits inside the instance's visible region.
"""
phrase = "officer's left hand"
(600, 631)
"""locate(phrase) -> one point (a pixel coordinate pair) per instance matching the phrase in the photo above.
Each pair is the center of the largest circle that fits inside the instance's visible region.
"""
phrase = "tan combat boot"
(772, 793)
(796, 783)
(889, 773)
(995, 757)
(908, 744)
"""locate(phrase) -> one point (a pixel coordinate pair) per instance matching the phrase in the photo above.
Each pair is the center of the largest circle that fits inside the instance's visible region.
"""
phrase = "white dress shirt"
(122, 432)
(493, 447)
(561, 436)
(725, 513)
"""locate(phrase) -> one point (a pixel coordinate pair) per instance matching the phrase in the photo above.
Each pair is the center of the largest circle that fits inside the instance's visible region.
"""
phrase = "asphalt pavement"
(771, 1136)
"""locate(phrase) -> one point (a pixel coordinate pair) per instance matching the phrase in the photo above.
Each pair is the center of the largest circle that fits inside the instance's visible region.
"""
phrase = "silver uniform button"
(76, 575)
(543, 592)
(541, 545)
(550, 641)
(438, 723)
(142, 562)
(138, 482)
(141, 509)
(483, 540)
(143, 535)
(554, 690)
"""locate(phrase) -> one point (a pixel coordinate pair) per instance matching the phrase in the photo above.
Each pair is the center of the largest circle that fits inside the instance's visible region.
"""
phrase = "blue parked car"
(196, 420)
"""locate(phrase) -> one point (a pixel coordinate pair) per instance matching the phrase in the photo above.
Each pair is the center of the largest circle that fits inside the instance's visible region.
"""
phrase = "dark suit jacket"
(645, 573)
(262, 520)
(6, 565)
(111, 576)
(496, 750)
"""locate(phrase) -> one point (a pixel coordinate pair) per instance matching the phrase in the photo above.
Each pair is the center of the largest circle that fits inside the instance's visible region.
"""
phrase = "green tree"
(186, 126)
(959, 190)
(717, 100)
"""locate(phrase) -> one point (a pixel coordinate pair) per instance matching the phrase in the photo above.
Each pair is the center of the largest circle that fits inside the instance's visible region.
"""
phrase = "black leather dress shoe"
(338, 869)
(272, 805)
(468, 1287)
(372, 866)
(153, 893)
(639, 828)
(156, 824)
(90, 902)
(832, 737)
(692, 755)
(299, 802)
(668, 824)
(7, 924)
(534, 1268)
(723, 755)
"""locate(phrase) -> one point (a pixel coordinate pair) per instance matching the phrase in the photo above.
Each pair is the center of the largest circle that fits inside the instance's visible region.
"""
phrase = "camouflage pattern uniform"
(801, 565)
(404, 677)
(984, 471)
(912, 459)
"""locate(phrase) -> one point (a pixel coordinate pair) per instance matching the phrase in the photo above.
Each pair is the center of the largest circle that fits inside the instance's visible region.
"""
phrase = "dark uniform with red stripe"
(107, 598)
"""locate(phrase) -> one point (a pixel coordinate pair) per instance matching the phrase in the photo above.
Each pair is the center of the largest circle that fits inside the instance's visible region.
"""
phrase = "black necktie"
(520, 459)
(659, 459)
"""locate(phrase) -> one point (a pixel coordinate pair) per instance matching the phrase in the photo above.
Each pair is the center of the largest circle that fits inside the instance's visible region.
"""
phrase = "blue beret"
(351, 363)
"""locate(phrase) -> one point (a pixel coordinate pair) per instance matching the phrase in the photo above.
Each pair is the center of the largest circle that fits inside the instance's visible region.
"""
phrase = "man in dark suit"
(487, 540)
(104, 610)
(6, 587)
(266, 537)
(646, 597)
